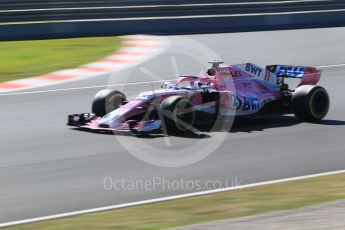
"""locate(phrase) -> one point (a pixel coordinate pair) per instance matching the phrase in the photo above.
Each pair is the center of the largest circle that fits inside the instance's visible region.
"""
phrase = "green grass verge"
(20, 59)
(223, 205)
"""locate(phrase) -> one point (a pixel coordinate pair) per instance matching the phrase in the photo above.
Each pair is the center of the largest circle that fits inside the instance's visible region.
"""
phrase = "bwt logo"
(251, 103)
(246, 103)
(256, 70)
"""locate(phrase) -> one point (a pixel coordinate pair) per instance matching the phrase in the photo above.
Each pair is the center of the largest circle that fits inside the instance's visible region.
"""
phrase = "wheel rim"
(114, 102)
(184, 115)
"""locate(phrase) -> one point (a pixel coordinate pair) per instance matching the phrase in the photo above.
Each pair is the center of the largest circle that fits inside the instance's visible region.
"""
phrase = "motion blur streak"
(37, 19)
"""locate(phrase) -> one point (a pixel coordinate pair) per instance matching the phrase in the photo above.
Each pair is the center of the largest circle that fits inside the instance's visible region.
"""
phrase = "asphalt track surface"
(47, 168)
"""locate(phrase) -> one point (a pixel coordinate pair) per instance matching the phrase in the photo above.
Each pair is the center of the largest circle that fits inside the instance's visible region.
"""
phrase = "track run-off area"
(47, 168)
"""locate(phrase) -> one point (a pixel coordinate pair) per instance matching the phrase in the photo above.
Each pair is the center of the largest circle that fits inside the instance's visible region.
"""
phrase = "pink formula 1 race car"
(224, 91)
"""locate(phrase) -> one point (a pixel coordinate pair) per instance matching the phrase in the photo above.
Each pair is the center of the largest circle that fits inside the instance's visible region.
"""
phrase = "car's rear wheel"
(177, 114)
(106, 101)
(310, 103)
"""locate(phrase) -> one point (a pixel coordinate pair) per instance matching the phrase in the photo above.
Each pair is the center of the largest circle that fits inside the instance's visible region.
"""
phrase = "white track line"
(81, 88)
(330, 66)
(150, 201)
(168, 5)
(175, 17)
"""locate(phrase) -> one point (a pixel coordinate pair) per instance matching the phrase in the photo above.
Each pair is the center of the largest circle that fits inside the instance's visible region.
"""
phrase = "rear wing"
(308, 75)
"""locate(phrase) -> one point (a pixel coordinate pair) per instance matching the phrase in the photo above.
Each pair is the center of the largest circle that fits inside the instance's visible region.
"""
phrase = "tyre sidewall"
(106, 101)
(169, 106)
(303, 101)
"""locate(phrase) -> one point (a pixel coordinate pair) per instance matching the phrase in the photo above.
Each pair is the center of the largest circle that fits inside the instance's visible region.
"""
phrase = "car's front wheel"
(106, 101)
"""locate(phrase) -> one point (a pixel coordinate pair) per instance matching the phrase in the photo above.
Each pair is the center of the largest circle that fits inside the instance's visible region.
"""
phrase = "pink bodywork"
(243, 89)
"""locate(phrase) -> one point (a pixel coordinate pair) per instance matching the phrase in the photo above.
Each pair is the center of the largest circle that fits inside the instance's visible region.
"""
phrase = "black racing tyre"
(177, 114)
(106, 101)
(310, 103)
